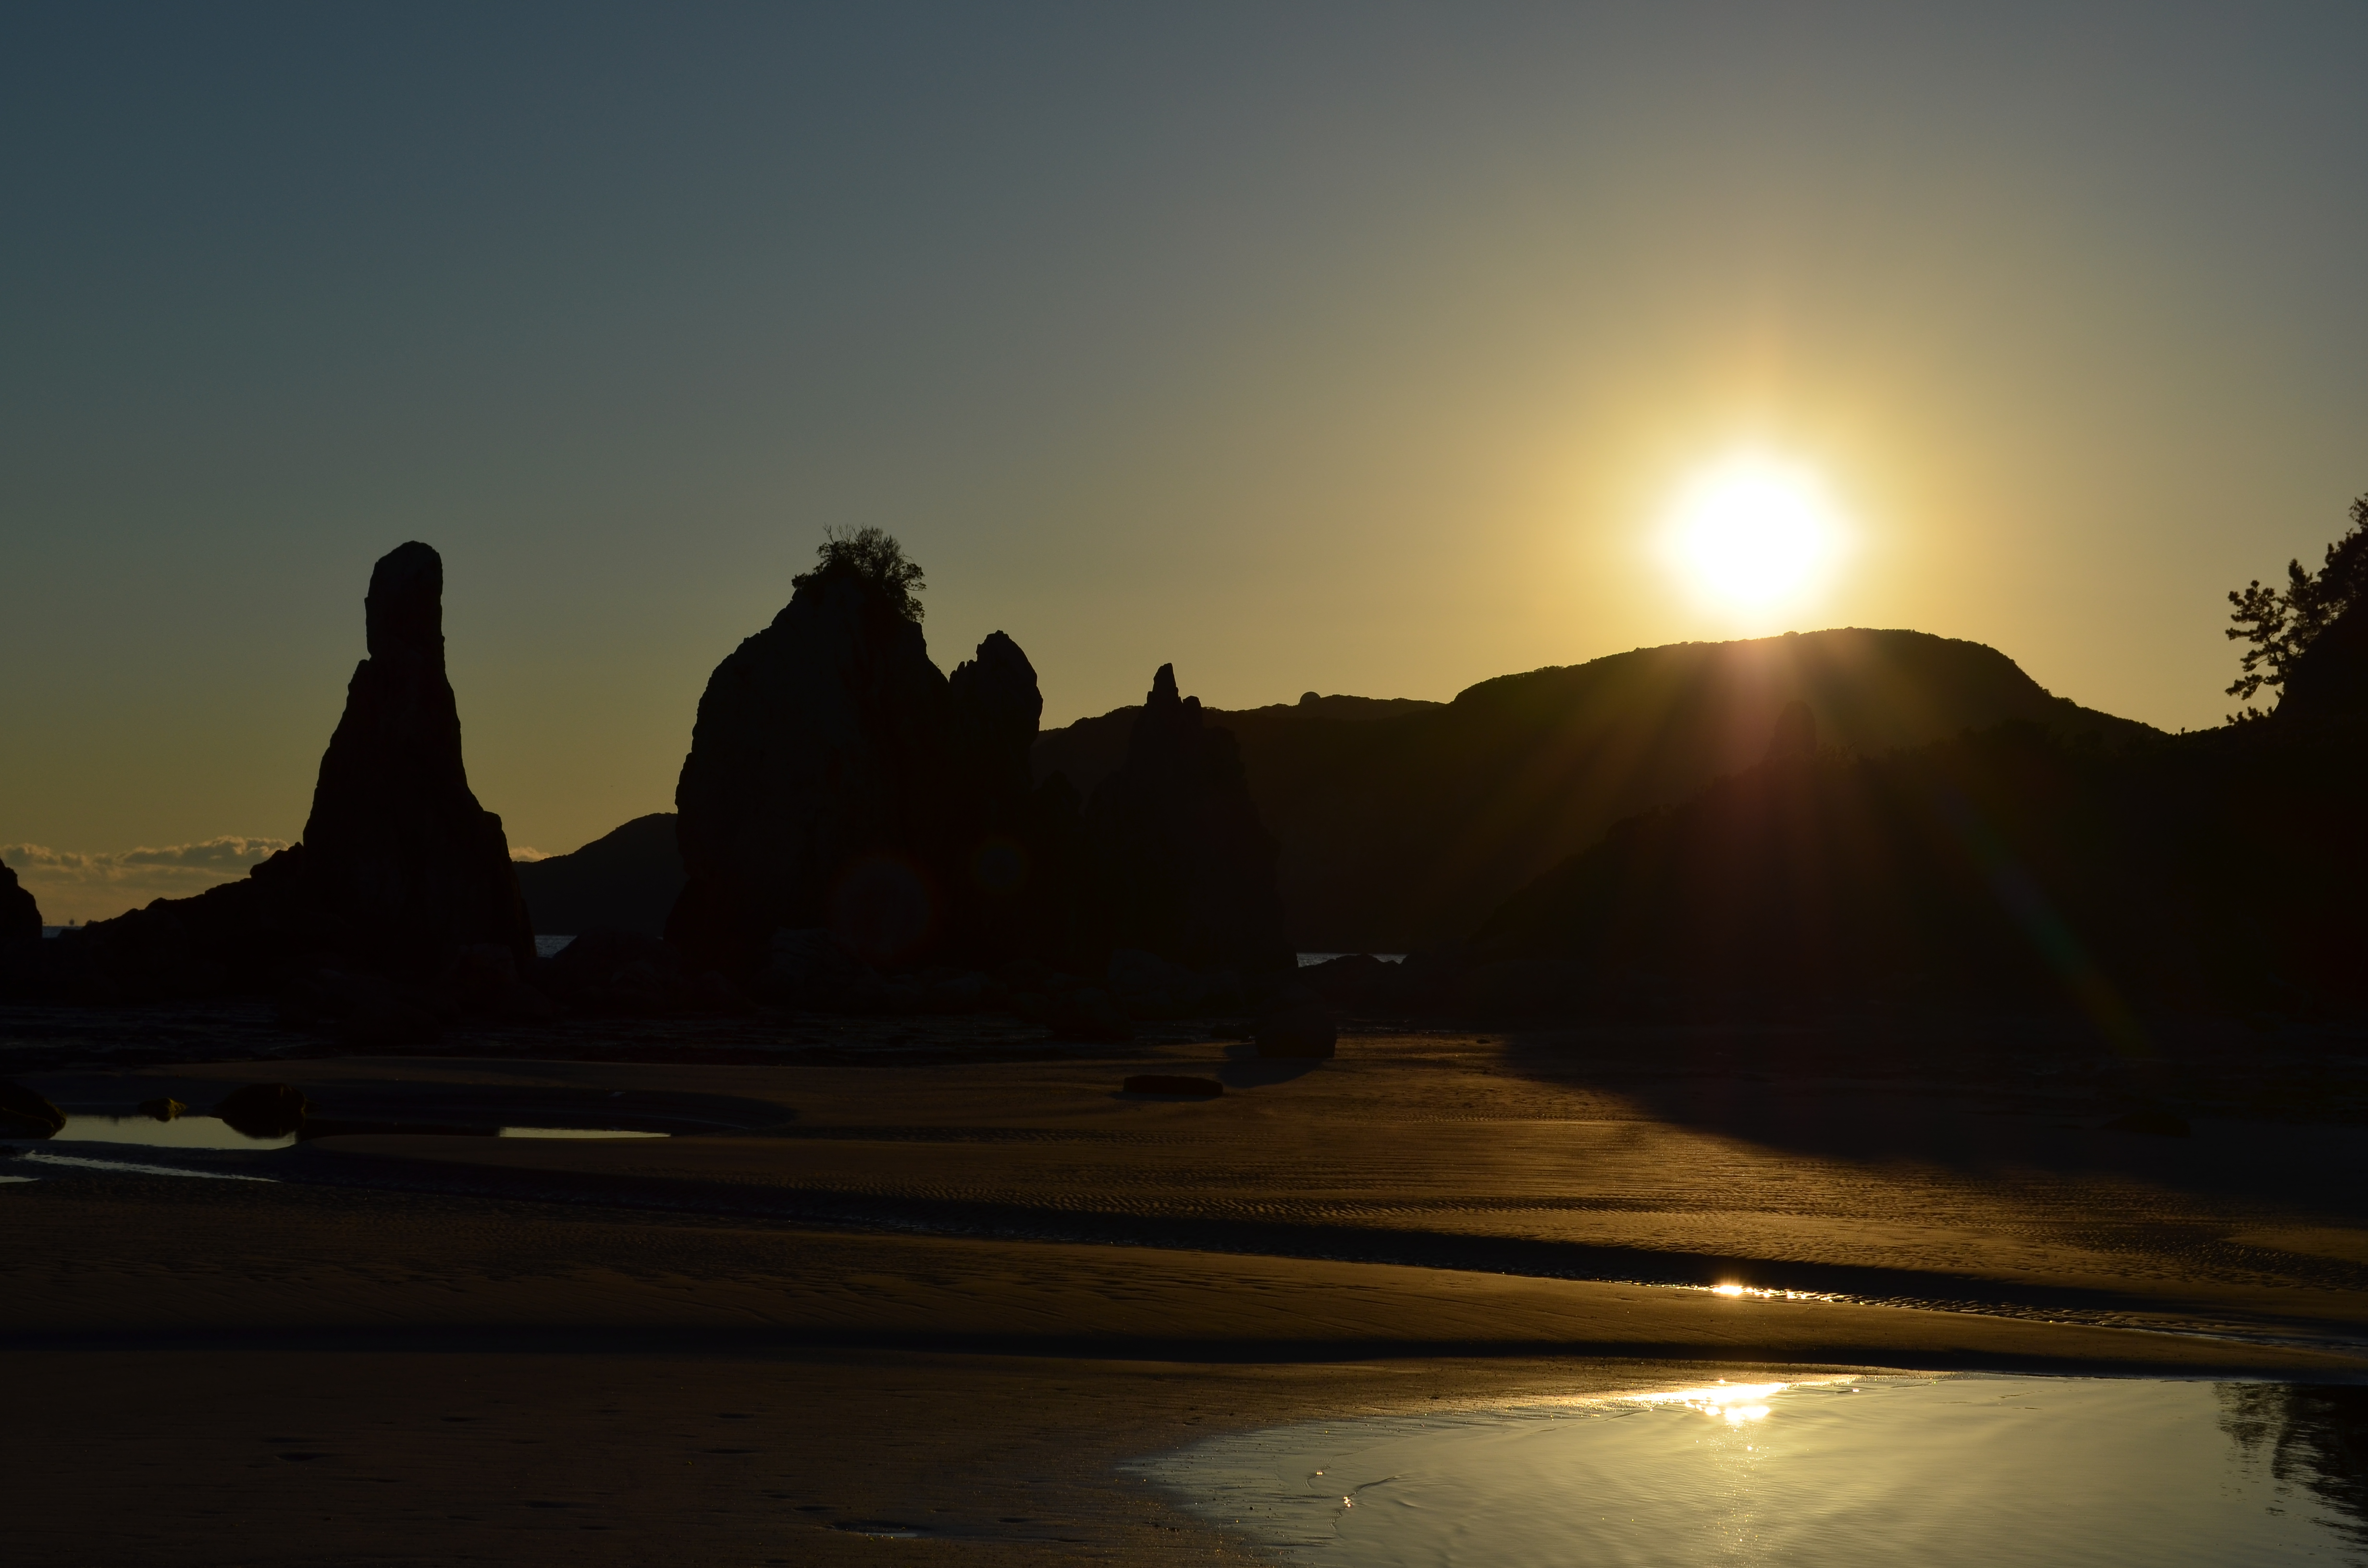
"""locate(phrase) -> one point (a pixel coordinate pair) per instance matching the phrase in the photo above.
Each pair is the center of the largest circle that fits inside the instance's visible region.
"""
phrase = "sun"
(1754, 532)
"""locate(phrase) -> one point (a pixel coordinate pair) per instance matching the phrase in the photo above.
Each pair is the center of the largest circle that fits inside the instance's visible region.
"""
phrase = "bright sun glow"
(1754, 532)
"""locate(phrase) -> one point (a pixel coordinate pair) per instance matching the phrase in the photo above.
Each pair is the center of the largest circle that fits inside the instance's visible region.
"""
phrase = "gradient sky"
(1350, 348)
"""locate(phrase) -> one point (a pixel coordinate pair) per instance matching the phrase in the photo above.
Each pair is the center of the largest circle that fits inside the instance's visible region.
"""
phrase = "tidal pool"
(1935, 1472)
(181, 1133)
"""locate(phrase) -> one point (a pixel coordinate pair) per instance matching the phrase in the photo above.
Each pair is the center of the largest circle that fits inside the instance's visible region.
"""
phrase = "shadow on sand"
(1246, 1069)
(1984, 1107)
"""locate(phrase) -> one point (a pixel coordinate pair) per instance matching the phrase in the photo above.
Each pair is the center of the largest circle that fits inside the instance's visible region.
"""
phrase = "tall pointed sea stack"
(400, 867)
(400, 860)
(1188, 870)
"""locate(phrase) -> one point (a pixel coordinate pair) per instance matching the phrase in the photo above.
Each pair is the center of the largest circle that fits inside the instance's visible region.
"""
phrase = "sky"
(1350, 348)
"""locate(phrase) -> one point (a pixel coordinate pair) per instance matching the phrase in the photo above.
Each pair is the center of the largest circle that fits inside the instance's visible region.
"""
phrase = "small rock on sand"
(265, 1110)
(23, 1114)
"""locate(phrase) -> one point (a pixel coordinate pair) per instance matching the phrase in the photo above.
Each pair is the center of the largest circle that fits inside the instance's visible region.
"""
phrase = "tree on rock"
(872, 557)
(2281, 624)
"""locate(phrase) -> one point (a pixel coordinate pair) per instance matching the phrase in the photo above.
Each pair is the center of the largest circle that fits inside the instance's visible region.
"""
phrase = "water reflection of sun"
(1734, 1404)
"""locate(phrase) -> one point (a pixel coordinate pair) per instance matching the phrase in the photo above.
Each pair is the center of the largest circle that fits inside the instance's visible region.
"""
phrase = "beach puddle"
(212, 1132)
(81, 1161)
(147, 1132)
(881, 1530)
(1938, 1471)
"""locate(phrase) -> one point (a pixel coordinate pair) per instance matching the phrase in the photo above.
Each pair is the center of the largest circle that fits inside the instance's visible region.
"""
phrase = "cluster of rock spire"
(839, 786)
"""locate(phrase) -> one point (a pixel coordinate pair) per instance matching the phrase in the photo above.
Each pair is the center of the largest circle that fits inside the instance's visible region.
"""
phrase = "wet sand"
(953, 1297)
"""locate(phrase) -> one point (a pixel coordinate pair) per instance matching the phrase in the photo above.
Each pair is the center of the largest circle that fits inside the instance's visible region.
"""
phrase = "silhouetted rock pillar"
(399, 862)
(994, 708)
(1188, 870)
(1015, 857)
(20, 934)
(809, 798)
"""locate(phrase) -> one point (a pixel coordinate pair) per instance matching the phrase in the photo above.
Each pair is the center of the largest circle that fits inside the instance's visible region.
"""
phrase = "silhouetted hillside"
(2011, 867)
(624, 881)
(1404, 826)
(1091, 749)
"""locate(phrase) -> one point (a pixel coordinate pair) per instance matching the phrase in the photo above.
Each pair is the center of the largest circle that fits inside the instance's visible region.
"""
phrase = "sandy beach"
(929, 1308)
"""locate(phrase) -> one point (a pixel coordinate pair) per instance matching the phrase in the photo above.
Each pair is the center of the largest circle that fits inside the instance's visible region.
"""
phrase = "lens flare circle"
(1754, 532)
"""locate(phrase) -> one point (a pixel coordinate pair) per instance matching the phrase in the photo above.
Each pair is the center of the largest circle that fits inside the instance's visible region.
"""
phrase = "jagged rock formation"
(843, 800)
(1402, 824)
(993, 710)
(26, 1114)
(809, 798)
(1017, 863)
(401, 872)
(1187, 871)
(838, 784)
(20, 934)
(398, 855)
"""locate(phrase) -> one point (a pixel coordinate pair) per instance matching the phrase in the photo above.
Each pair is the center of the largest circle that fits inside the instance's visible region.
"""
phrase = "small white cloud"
(523, 852)
(73, 885)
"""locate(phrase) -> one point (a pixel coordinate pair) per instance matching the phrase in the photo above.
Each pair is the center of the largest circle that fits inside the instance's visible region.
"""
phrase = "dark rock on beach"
(362, 1009)
(806, 969)
(1148, 986)
(1088, 1015)
(1350, 982)
(400, 858)
(1294, 1024)
(162, 1108)
(838, 784)
(23, 1114)
(265, 1110)
(399, 868)
(614, 972)
(20, 934)
(809, 798)
(1187, 869)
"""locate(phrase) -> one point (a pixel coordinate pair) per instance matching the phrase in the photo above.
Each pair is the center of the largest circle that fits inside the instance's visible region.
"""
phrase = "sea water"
(1938, 1473)
(181, 1133)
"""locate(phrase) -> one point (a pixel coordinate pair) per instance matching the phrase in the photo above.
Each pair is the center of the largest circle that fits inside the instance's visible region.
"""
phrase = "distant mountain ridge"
(624, 880)
(1404, 825)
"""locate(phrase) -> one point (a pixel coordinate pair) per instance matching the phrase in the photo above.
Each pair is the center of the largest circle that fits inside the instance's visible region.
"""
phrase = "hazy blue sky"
(1356, 348)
